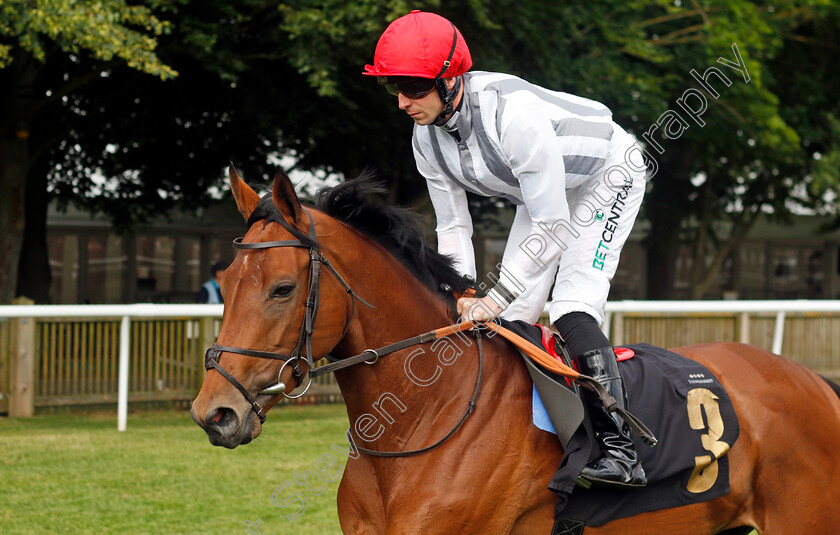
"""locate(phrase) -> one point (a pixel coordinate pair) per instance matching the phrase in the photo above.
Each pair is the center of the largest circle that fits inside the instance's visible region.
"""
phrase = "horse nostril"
(222, 419)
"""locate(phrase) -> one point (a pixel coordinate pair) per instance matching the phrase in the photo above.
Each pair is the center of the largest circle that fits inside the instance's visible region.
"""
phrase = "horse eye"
(283, 290)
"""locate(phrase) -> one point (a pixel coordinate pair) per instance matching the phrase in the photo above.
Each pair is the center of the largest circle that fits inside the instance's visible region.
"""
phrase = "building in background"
(164, 262)
(167, 261)
(774, 262)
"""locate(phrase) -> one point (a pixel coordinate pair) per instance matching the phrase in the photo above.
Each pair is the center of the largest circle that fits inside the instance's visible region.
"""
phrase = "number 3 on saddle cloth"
(681, 402)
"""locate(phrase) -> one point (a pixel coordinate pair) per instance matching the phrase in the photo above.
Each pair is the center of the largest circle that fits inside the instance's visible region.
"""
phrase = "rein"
(539, 356)
(451, 433)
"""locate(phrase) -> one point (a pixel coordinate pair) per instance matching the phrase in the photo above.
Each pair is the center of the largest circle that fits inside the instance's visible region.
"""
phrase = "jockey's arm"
(454, 224)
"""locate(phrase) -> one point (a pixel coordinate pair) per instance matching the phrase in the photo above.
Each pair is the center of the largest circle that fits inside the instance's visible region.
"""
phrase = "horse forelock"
(398, 230)
(267, 211)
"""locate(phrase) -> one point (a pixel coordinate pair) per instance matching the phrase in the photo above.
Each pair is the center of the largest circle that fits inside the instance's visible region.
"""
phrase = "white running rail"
(123, 312)
(614, 312)
(781, 308)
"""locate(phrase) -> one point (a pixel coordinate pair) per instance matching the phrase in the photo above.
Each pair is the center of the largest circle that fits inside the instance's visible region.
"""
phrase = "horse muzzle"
(228, 428)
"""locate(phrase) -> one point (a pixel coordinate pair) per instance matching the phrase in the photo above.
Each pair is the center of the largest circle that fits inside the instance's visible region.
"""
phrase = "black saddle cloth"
(690, 413)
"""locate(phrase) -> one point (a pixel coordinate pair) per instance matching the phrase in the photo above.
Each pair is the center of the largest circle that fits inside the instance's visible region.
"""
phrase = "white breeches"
(602, 214)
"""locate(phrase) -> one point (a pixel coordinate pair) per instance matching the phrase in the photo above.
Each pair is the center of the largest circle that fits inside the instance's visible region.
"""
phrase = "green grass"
(78, 474)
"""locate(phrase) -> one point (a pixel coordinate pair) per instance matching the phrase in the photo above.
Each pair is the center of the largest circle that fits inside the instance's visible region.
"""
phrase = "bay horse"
(490, 477)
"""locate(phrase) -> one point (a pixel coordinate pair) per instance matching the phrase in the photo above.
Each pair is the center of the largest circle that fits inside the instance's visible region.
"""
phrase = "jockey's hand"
(478, 311)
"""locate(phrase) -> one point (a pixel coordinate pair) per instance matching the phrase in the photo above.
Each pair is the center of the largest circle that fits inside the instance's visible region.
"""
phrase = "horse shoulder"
(360, 507)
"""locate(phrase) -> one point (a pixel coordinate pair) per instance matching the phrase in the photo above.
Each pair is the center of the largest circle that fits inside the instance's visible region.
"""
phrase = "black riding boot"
(619, 466)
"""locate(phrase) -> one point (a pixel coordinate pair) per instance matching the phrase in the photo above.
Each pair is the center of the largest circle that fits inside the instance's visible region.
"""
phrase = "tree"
(741, 156)
(161, 144)
(732, 153)
(763, 163)
(32, 36)
(261, 77)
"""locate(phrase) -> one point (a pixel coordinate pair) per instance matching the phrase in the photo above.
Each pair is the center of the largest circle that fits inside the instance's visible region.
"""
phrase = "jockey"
(577, 180)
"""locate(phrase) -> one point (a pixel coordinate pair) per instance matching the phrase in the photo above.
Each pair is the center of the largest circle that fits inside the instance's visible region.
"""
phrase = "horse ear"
(285, 197)
(246, 198)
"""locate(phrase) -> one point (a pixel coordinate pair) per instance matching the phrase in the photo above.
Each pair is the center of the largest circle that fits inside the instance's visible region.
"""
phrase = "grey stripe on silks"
(579, 164)
(573, 126)
(494, 163)
(473, 187)
(509, 86)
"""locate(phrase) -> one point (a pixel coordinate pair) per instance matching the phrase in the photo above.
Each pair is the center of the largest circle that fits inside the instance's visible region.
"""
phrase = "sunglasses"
(410, 86)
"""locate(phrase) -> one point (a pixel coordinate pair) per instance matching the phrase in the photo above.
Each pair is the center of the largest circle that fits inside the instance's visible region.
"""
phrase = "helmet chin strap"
(448, 99)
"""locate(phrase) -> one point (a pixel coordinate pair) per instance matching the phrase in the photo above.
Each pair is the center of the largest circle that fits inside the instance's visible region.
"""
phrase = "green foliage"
(826, 175)
(634, 56)
(107, 29)
(261, 77)
(323, 35)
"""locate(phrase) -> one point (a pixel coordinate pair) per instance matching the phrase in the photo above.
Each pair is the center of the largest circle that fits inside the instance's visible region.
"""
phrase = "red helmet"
(420, 44)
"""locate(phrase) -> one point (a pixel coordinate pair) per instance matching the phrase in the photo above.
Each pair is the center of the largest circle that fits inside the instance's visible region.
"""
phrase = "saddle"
(686, 408)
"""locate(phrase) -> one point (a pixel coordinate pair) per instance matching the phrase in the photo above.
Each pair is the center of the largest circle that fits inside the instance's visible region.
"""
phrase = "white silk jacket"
(521, 142)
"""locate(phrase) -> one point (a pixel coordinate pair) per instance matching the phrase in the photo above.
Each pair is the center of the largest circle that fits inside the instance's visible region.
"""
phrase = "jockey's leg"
(619, 464)
(603, 211)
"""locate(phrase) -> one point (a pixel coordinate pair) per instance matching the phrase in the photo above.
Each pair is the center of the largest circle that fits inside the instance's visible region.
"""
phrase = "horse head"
(272, 293)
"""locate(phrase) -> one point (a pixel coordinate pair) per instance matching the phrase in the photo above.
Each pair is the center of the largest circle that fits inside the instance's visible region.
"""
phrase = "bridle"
(369, 356)
(303, 348)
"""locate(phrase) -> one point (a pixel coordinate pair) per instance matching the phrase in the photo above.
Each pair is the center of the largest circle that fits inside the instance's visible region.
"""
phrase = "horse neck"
(404, 306)
(387, 390)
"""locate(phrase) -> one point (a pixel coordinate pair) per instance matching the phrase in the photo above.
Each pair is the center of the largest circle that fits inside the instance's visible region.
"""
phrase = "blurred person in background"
(210, 292)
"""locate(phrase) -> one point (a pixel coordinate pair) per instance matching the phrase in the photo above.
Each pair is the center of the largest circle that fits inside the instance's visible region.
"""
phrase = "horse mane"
(397, 229)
